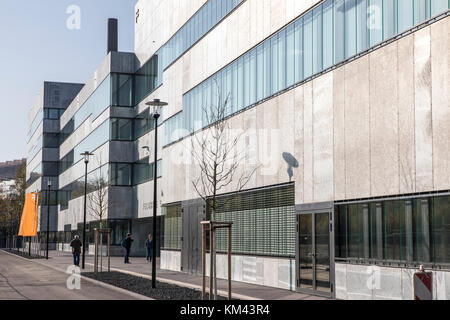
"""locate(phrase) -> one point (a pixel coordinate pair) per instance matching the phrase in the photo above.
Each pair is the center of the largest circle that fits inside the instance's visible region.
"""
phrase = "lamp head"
(156, 105)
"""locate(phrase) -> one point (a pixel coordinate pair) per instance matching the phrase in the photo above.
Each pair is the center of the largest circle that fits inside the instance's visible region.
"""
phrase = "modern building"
(43, 149)
(342, 112)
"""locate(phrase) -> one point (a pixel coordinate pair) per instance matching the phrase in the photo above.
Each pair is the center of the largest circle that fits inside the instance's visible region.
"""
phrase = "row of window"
(46, 140)
(115, 90)
(149, 76)
(330, 33)
(119, 230)
(112, 174)
(200, 24)
(413, 231)
(43, 169)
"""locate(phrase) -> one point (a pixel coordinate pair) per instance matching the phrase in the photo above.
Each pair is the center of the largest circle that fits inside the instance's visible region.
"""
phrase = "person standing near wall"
(148, 245)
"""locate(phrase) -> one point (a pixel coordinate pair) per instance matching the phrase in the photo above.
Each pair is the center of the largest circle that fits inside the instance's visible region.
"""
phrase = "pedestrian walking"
(126, 243)
(149, 246)
(76, 250)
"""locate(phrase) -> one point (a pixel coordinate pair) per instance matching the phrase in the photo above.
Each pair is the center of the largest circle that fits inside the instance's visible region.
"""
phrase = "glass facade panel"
(441, 230)
(339, 31)
(290, 55)
(439, 6)
(298, 31)
(120, 174)
(405, 13)
(350, 28)
(307, 45)
(121, 129)
(362, 31)
(389, 12)
(317, 40)
(407, 231)
(327, 34)
(421, 11)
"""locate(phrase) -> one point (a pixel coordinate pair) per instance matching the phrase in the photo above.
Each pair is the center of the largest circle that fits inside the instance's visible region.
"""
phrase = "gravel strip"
(24, 255)
(163, 291)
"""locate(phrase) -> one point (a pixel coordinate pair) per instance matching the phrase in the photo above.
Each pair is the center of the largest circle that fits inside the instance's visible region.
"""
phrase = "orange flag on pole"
(29, 220)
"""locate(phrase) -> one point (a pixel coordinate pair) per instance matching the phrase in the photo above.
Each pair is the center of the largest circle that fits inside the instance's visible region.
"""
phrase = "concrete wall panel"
(384, 122)
(423, 112)
(440, 80)
(357, 132)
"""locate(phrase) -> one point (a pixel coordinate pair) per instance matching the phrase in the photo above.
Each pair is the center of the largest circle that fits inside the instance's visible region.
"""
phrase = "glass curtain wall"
(330, 33)
(404, 231)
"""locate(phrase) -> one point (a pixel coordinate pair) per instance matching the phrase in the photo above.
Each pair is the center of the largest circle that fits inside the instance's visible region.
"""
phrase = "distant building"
(8, 171)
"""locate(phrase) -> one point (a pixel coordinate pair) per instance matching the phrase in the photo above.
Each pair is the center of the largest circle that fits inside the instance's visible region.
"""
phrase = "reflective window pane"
(307, 45)
(327, 34)
(350, 28)
(405, 13)
(339, 31)
(317, 40)
(441, 229)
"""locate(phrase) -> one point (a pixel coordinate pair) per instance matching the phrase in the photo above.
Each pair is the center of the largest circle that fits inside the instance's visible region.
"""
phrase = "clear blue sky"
(37, 46)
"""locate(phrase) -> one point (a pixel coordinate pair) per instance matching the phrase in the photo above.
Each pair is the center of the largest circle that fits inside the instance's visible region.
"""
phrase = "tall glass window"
(339, 31)
(375, 21)
(327, 34)
(290, 55)
(439, 6)
(298, 34)
(421, 11)
(274, 64)
(260, 78)
(317, 40)
(389, 19)
(252, 78)
(281, 60)
(405, 13)
(350, 28)
(362, 31)
(308, 45)
(441, 229)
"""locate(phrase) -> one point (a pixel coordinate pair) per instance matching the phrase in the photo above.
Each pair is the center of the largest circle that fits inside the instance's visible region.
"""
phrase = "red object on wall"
(423, 286)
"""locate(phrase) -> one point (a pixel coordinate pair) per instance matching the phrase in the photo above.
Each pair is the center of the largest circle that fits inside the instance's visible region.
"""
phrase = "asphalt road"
(21, 279)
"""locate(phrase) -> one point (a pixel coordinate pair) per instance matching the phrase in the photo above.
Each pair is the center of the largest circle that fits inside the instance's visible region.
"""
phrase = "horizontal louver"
(172, 227)
(263, 222)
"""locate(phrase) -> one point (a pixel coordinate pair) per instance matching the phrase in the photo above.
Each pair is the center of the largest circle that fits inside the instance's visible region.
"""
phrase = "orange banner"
(29, 220)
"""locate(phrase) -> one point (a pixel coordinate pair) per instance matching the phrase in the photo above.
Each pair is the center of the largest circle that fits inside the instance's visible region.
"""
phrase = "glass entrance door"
(314, 252)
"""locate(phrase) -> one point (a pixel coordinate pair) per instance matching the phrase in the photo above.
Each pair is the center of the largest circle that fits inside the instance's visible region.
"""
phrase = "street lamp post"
(49, 185)
(86, 161)
(157, 105)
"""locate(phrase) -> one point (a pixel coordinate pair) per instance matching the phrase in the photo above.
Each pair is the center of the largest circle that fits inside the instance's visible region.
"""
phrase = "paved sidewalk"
(140, 267)
(24, 279)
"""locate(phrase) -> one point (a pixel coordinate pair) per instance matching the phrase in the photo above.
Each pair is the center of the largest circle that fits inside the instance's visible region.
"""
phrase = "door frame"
(314, 208)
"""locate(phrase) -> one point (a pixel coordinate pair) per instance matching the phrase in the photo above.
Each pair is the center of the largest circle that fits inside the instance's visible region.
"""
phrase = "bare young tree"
(98, 202)
(216, 151)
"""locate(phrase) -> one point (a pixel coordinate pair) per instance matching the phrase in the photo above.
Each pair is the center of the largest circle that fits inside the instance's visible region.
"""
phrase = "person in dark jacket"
(149, 246)
(76, 250)
(127, 244)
